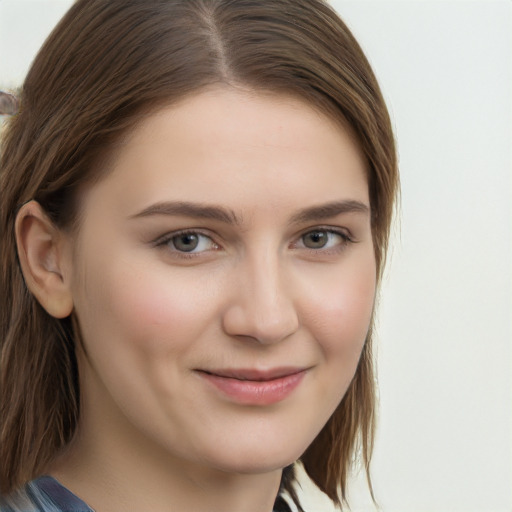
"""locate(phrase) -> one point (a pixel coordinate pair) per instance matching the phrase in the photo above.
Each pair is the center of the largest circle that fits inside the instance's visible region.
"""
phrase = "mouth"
(254, 387)
(254, 375)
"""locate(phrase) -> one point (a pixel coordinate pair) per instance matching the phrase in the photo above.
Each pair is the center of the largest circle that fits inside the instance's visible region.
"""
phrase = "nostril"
(248, 324)
(262, 307)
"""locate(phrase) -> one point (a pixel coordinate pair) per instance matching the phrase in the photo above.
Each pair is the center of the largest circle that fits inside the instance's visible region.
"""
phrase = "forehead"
(229, 145)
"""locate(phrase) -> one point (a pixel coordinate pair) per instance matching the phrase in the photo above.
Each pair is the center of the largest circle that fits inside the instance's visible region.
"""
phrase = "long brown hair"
(106, 64)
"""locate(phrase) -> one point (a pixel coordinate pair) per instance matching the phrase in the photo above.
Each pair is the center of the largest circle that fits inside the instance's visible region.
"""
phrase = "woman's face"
(224, 279)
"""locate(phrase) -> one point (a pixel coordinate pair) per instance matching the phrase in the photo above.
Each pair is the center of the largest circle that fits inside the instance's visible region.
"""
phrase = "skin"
(252, 295)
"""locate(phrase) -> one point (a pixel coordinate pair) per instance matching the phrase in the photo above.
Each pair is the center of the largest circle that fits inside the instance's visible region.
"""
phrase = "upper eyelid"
(171, 234)
(342, 231)
(162, 243)
(347, 238)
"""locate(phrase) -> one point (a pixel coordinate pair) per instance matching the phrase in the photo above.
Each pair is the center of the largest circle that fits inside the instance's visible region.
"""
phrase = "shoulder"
(44, 494)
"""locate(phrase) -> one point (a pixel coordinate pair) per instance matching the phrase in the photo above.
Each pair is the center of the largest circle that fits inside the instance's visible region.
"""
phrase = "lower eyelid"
(342, 234)
(166, 239)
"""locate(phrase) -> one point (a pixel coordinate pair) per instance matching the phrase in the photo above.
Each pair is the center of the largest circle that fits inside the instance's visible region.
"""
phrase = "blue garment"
(45, 494)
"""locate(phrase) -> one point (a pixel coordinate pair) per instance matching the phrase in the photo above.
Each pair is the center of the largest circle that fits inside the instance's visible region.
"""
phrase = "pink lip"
(254, 387)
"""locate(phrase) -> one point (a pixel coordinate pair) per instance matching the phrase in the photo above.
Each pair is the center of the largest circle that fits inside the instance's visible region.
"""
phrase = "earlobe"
(42, 258)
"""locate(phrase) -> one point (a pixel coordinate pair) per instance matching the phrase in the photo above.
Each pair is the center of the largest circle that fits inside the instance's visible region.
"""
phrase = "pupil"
(186, 242)
(315, 240)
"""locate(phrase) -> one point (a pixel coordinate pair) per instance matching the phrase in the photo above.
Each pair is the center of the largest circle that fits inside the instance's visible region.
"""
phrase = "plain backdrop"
(444, 441)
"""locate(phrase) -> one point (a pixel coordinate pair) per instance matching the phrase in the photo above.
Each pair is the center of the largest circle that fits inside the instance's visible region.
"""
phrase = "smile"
(253, 387)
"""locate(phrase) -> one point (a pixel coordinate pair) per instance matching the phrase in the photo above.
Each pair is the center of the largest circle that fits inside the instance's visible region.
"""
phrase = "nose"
(261, 306)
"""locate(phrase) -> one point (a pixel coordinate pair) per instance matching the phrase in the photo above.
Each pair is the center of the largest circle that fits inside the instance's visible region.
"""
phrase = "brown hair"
(105, 64)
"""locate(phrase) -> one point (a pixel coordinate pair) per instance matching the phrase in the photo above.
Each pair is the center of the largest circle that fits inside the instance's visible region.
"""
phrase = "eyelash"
(165, 240)
(346, 239)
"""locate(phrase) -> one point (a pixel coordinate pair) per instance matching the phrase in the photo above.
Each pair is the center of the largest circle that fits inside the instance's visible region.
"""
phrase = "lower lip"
(251, 392)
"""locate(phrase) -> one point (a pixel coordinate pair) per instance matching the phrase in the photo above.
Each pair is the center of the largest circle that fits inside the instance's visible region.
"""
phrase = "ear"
(44, 259)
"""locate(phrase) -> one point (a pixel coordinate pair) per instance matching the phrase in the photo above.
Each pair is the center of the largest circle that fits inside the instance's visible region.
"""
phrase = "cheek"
(141, 329)
(140, 308)
(340, 313)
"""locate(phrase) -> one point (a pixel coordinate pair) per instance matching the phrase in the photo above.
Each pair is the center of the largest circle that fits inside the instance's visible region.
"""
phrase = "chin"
(255, 459)
(256, 467)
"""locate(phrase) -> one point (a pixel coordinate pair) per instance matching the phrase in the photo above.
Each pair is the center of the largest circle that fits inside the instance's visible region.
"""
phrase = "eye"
(189, 242)
(324, 239)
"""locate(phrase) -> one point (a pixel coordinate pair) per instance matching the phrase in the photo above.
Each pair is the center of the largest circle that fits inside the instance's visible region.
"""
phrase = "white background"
(444, 442)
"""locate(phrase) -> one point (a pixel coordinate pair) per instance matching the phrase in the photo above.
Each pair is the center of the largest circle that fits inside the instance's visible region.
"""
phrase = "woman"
(196, 200)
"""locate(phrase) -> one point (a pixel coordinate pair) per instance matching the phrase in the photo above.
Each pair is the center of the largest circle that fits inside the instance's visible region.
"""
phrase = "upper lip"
(255, 374)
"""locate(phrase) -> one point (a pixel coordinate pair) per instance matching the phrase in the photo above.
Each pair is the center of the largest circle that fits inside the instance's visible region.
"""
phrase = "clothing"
(45, 494)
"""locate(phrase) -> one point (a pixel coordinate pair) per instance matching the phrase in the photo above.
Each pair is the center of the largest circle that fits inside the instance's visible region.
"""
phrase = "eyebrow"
(330, 210)
(201, 211)
(186, 209)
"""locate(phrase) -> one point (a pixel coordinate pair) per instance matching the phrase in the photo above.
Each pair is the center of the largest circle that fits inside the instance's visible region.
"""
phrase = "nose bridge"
(263, 306)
